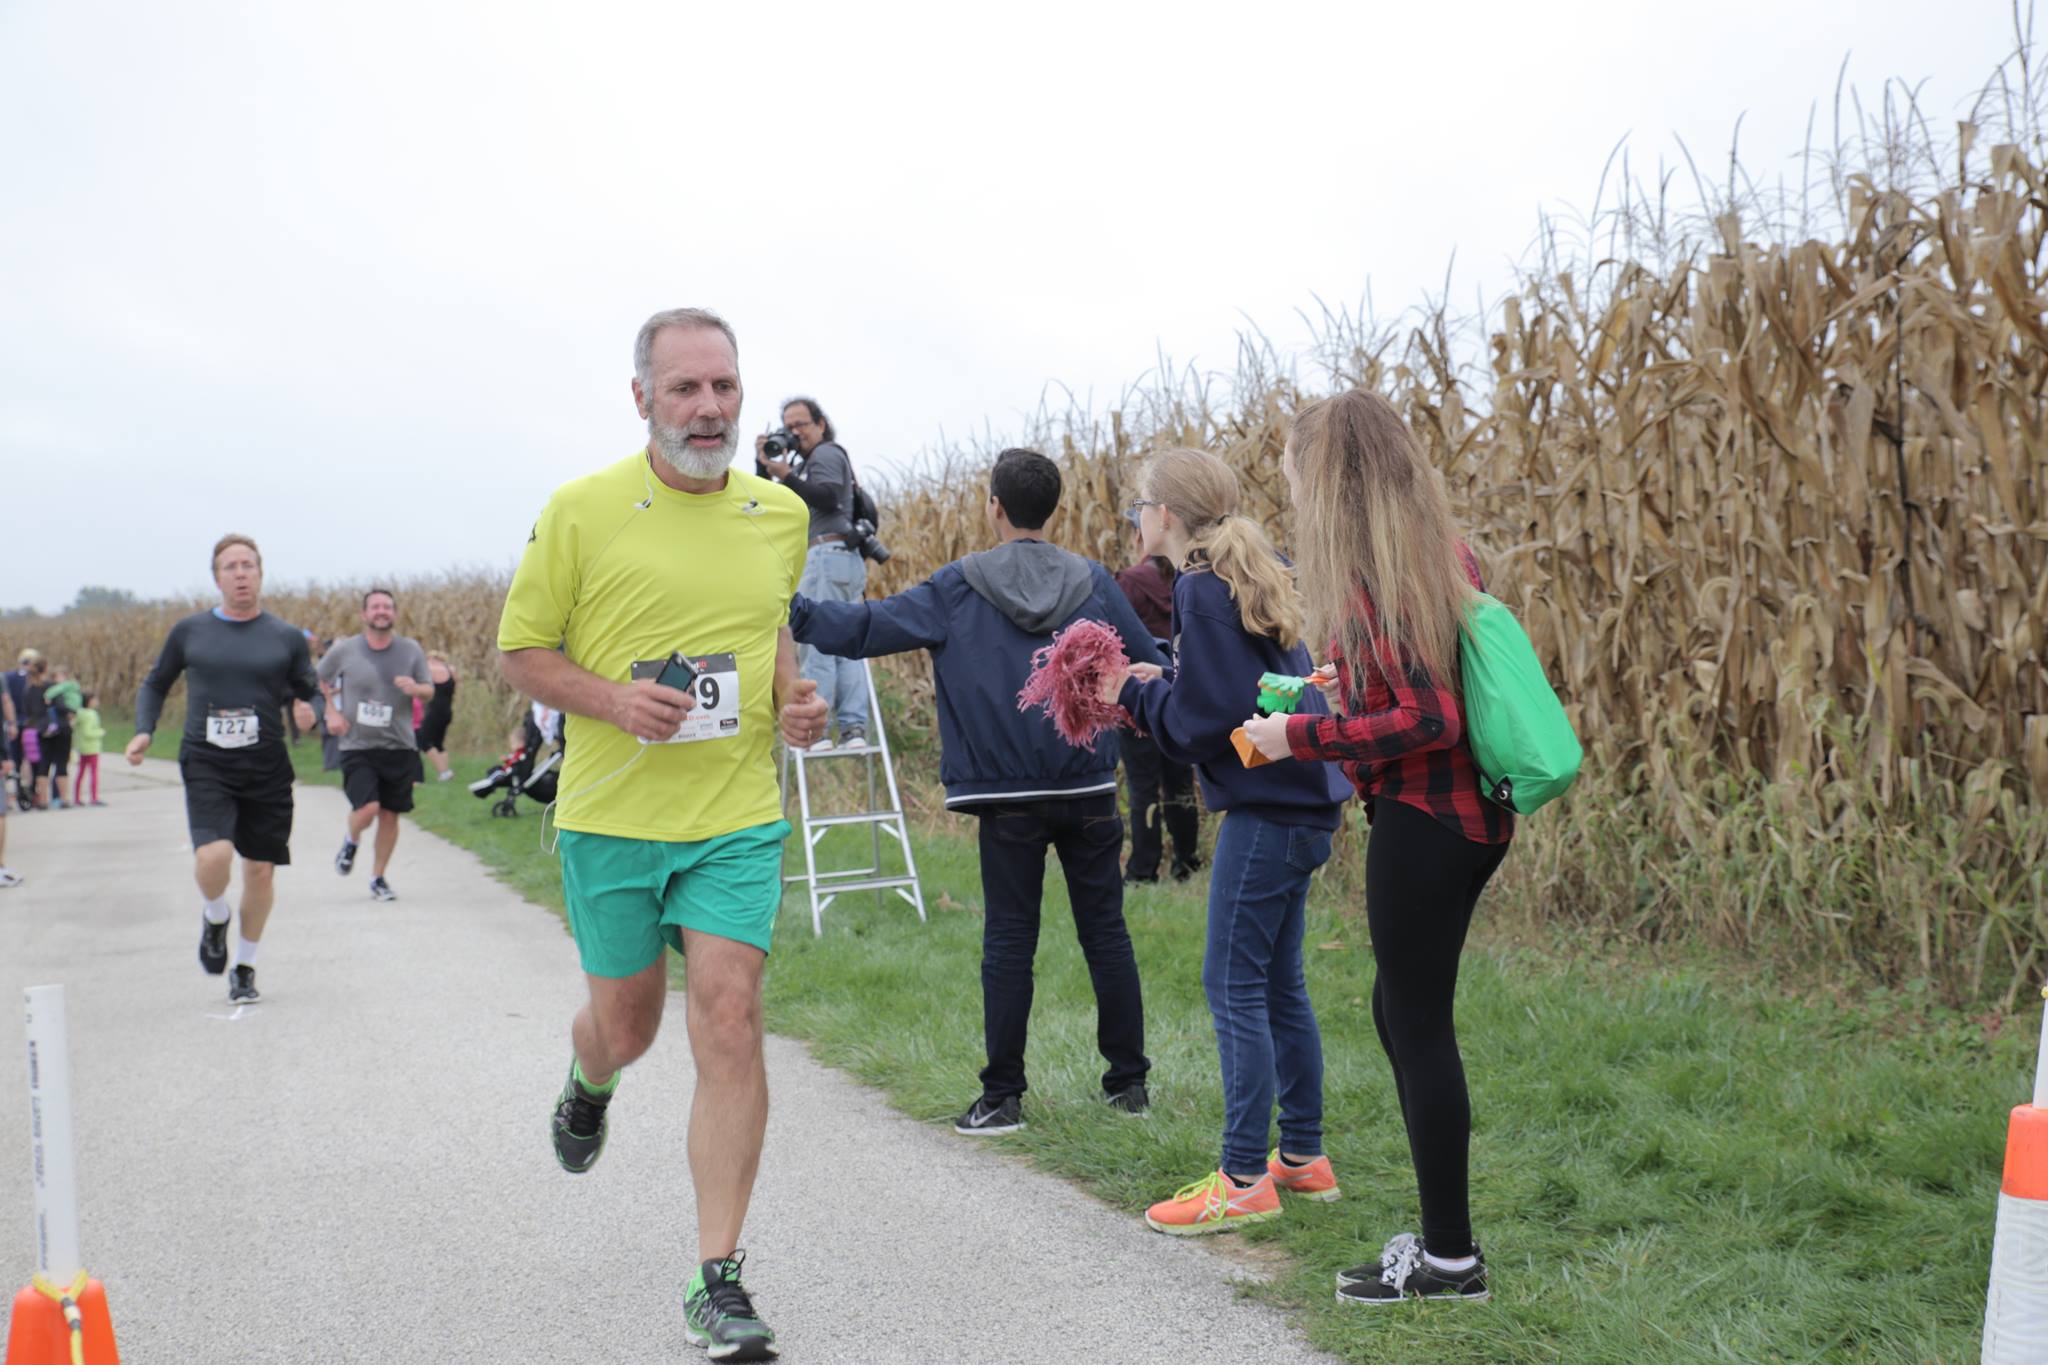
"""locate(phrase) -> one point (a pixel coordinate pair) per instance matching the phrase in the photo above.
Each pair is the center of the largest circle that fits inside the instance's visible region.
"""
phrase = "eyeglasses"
(1132, 512)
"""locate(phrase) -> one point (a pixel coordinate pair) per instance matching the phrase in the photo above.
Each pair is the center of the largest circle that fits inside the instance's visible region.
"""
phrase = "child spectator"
(88, 737)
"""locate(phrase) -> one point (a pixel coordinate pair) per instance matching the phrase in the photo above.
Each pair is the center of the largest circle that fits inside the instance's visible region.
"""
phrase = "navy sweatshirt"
(1214, 689)
(982, 618)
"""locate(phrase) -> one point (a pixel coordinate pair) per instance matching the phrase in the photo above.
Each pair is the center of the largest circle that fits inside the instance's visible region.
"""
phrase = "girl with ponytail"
(1236, 615)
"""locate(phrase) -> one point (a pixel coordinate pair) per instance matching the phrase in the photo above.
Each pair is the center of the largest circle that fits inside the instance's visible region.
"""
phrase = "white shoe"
(856, 739)
(446, 775)
(823, 746)
(8, 878)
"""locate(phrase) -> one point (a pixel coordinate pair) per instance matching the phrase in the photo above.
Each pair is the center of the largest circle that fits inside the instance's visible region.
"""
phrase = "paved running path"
(357, 1169)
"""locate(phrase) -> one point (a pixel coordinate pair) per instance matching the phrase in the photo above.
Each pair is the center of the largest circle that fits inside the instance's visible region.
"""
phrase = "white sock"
(245, 951)
(1456, 1263)
(216, 910)
(348, 840)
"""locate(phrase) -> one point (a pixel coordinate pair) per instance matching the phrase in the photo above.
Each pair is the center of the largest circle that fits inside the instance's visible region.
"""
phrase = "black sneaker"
(213, 946)
(1401, 1273)
(853, 737)
(986, 1117)
(1133, 879)
(345, 861)
(1132, 1099)
(381, 889)
(242, 987)
(719, 1317)
(1184, 868)
(578, 1125)
(1359, 1274)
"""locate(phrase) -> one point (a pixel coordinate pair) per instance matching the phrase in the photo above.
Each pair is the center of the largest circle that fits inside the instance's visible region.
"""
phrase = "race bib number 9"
(717, 691)
(234, 728)
(373, 713)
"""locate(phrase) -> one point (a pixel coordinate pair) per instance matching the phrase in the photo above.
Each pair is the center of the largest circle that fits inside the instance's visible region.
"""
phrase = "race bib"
(717, 690)
(373, 713)
(232, 728)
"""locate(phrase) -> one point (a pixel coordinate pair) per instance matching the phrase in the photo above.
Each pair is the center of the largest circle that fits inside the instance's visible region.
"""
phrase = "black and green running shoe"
(578, 1125)
(718, 1315)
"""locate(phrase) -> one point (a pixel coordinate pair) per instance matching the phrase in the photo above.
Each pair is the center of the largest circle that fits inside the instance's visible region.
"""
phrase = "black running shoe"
(1401, 1273)
(1184, 868)
(213, 946)
(345, 861)
(719, 1317)
(381, 889)
(986, 1117)
(578, 1125)
(242, 987)
(1132, 1099)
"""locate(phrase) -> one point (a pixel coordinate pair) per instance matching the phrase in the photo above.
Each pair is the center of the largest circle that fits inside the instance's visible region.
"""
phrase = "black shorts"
(242, 795)
(56, 758)
(433, 732)
(381, 775)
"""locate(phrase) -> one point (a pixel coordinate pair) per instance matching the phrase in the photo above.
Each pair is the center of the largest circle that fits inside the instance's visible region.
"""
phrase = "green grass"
(1672, 1161)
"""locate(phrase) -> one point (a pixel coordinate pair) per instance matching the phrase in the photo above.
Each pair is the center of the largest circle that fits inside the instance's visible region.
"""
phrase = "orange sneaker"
(1317, 1180)
(1214, 1204)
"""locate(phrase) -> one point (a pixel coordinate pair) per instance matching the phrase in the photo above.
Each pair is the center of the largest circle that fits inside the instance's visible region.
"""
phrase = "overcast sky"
(362, 280)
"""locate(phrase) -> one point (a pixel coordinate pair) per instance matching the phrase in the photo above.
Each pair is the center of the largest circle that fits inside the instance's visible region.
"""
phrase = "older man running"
(650, 605)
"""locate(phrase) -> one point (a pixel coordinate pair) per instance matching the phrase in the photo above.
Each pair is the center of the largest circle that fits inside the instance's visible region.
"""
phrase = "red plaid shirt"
(1402, 739)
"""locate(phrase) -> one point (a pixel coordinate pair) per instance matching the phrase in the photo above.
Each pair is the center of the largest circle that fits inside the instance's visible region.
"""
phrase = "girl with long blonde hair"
(1236, 615)
(1388, 584)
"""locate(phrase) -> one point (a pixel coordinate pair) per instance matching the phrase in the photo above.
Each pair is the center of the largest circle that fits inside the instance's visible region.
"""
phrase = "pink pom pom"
(1066, 682)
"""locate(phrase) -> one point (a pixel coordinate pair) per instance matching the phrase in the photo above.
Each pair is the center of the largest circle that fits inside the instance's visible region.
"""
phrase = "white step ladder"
(827, 885)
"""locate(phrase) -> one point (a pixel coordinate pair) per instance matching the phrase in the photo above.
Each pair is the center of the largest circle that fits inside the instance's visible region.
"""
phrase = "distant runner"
(371, 681)
(242, 664)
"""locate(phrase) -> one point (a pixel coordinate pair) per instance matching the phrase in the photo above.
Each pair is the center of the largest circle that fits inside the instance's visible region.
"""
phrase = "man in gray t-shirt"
(370, 681)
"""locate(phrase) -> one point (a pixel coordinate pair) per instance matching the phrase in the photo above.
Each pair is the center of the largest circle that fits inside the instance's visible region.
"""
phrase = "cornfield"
(1775, 514)
(1773, 508)
(456, 614)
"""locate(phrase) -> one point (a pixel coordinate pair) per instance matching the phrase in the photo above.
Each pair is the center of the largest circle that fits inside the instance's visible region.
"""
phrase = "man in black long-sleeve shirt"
(833, 568)
(242, 664)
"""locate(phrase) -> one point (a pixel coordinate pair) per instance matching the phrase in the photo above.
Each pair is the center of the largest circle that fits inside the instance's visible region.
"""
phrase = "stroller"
(523, 772)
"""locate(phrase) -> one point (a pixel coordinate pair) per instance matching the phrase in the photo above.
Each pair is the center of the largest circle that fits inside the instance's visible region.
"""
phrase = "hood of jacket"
(1036, 585)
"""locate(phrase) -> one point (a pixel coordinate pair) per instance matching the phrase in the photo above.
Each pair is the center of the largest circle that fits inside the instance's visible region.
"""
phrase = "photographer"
(819, 471)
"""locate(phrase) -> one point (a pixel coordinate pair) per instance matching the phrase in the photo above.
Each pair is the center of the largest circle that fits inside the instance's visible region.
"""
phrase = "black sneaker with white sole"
(987, 1117)
(1403, 1273)
(1132, 1099)
(242, 986)
(345, 861)
(213, 946)
(1359, 1274)
(381, 889)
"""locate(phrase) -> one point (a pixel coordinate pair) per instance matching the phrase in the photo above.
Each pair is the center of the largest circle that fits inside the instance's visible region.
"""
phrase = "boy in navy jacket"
(982, 618)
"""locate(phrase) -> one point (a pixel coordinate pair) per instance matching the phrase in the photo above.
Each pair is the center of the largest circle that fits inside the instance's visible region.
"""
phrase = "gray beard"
(672, 444)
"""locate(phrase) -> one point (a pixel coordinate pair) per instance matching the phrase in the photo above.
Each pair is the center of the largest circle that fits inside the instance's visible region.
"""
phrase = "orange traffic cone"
(2016, 1309)
(62, 1325)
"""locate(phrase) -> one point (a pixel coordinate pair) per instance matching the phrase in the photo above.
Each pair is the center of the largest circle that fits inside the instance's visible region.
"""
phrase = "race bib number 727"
(234, 728)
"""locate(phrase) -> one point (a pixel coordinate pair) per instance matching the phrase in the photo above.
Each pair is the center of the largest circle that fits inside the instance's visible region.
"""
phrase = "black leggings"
(1421, 881)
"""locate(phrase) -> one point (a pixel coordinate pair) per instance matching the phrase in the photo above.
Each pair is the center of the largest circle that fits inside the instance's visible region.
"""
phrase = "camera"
(780, 445)
(862, 538)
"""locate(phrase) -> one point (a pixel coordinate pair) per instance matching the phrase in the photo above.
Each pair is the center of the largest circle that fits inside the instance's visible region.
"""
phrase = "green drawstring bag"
(1524, 745)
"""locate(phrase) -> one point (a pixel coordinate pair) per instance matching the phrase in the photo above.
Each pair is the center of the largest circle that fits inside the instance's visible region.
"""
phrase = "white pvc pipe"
(49, 1123)
(2041, 1061)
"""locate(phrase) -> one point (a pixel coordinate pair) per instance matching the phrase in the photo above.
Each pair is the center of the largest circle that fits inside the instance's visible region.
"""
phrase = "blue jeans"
(1266, 1032)
(833, 573)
